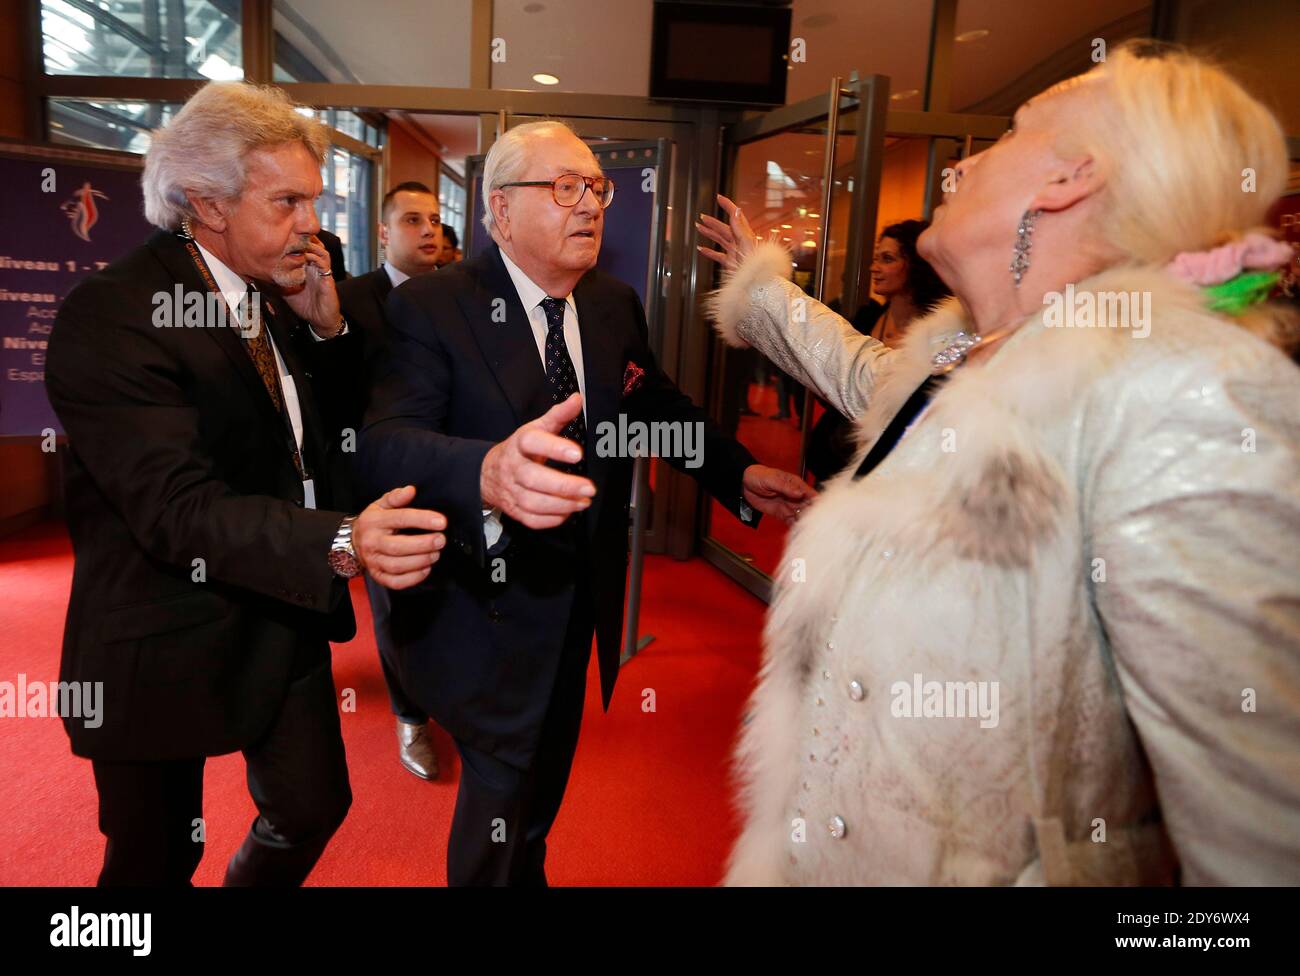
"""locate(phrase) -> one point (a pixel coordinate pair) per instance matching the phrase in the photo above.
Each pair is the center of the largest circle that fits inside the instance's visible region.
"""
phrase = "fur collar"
(1043, 366)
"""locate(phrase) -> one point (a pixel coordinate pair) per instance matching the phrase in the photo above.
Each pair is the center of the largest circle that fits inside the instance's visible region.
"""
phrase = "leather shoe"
(415, 749)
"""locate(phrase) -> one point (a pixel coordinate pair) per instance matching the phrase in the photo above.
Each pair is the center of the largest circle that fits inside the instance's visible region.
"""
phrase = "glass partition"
(143, 38)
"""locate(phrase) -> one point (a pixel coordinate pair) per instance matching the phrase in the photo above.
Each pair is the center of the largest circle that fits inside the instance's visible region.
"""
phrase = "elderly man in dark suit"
(410, 230)
(505, 374)
(206, 502)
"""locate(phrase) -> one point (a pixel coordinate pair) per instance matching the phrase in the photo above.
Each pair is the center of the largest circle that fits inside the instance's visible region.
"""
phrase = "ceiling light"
(545, 79)
(785, 226)
(814, 216)
(899, 96)
(972, 35)
(809, 243)
(534, 8)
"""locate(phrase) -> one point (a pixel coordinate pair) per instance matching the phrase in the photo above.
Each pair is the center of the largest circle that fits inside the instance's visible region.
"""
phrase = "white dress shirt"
(530, 296)
(235, 290)
(394, 275)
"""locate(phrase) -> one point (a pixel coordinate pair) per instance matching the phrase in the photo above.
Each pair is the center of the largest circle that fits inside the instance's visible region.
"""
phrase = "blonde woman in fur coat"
(1052, 636)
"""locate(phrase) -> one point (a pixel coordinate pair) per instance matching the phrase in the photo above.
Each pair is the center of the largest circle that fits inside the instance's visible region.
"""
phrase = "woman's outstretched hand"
(736, 238)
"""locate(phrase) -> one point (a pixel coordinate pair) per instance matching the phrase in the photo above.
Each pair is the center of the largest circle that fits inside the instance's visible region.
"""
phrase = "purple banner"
(62, 220)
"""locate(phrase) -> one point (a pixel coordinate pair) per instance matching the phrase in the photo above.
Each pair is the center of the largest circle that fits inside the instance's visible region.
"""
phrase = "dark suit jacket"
(478, 652)
(334, 247)
(176, 454)
(361, 299)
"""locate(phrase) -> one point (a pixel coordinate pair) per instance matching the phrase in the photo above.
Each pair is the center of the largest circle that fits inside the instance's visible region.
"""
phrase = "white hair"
(204, 149)
(1178, 136)
(507, 160)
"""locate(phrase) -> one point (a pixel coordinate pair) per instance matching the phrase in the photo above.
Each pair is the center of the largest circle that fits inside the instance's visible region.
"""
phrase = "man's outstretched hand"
(515, 477)
(393, 554)
(777, 493)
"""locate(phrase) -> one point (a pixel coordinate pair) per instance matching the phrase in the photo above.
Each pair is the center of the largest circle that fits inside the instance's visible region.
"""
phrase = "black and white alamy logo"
(75, 930)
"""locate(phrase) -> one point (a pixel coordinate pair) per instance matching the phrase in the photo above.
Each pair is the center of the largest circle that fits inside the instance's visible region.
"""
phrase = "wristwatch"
(343, 558)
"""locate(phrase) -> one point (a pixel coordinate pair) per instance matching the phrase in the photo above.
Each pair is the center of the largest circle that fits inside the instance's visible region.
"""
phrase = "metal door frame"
(869, 97)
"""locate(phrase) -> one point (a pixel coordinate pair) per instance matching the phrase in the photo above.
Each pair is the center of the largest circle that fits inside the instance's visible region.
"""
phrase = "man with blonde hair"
(205, 502)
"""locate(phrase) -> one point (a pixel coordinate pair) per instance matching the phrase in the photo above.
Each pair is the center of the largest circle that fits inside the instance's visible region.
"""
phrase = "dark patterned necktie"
(562, 378)
(259, 346)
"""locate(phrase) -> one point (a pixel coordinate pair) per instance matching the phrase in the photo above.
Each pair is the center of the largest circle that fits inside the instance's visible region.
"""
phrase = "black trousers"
(151, 812)
(503, 813)
(381, 611)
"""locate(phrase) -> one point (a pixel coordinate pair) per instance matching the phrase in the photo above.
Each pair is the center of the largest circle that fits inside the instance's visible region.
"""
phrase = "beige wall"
(902, 182)
(409, 158)
(1256, 41)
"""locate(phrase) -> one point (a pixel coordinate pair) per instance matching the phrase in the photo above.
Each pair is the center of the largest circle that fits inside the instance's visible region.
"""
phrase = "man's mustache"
(302, 245)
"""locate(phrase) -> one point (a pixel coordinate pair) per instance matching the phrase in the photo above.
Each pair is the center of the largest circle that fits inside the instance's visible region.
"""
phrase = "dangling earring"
(185, 231)
(1020, 260)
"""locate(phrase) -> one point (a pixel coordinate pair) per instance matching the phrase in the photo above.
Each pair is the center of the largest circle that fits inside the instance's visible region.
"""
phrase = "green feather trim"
(1235, 295)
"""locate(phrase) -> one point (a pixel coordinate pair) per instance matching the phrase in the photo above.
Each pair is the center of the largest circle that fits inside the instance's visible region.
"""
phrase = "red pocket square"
(633, 377)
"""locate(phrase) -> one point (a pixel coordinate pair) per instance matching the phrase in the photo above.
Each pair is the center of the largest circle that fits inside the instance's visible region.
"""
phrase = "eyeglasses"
(569, 188)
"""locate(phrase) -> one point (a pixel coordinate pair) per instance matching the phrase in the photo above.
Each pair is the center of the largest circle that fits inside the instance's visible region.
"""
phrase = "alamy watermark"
(185, 308)
(945, 699)
(659, 438)
(1098, 310)
(53, 699)
(75, 929)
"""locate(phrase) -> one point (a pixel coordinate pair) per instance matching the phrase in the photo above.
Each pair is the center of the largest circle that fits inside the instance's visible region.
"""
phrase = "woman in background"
(910, 288)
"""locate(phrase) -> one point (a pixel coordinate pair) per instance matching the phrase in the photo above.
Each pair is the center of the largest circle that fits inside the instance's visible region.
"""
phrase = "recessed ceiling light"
(809, 243)
(972, 35)
(899, 96)
(785, 226)
(814, 216)
(545, 79)
(534, 8)
(819, 20)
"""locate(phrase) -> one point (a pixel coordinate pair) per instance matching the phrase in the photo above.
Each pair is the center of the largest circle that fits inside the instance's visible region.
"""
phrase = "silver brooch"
(954, 353)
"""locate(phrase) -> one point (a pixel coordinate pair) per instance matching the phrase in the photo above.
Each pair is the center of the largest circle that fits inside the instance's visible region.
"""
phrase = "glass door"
(808, 175)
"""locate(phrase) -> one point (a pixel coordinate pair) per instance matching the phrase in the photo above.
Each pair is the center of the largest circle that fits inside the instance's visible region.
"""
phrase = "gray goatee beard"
(290, 279)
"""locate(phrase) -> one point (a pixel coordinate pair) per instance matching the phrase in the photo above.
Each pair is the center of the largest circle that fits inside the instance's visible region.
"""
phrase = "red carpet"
(772, 442)
(649, 801)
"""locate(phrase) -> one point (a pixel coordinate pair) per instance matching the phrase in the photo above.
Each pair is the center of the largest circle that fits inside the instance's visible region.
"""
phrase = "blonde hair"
(507, 160)
(203, 150)
(1191, 159)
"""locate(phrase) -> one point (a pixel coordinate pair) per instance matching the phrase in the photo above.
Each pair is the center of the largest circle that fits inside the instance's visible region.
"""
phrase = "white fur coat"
(1053, 638)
